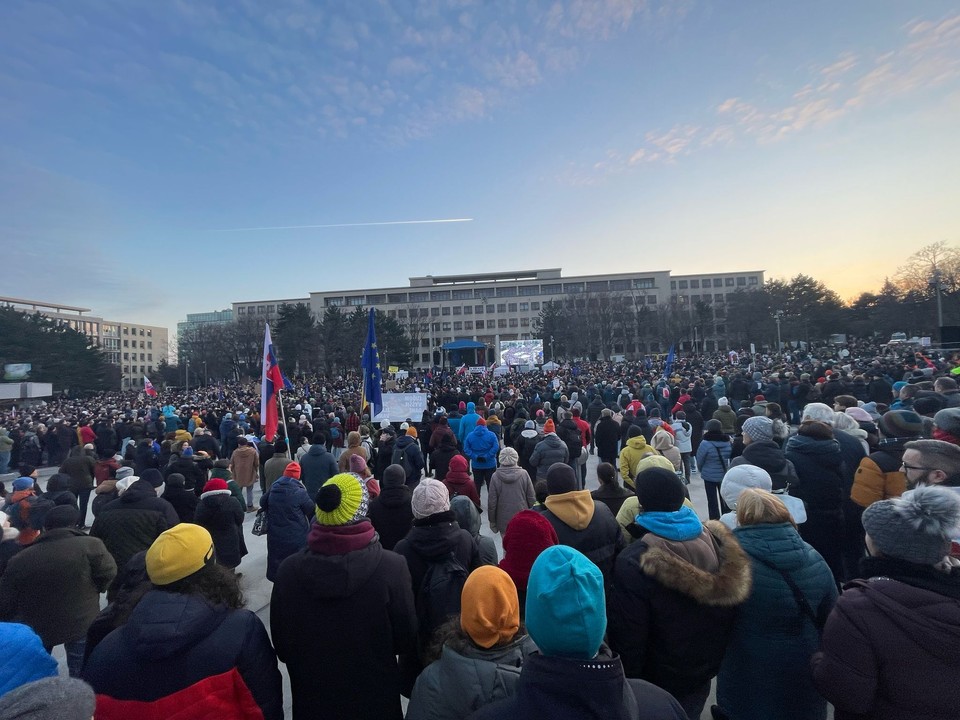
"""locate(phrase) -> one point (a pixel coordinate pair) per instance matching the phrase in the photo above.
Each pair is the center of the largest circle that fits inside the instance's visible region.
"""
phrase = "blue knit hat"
(566, 613)
(22, 483)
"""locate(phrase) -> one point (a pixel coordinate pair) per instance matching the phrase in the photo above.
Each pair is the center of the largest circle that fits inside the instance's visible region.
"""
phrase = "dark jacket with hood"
(444, 451)
(673, 605)
(551, 449)
(411, 449)
(173, 642)
(767, 455)
(341, 611)
(193, 475)
(316, 467)
(889, 648)
(459, 482)
(526, 443)
(184, 501)
(586, 526)
(289, 511)
(607, 438)
(221, 514)
(133, 521)
(390, 512)
(468, 518)
(552, 688)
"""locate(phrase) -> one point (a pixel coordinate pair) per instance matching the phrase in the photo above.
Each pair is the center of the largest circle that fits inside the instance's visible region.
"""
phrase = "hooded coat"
(768, 455)
(443, 452)
(459, 482)
(673, 605)
(586, 526)
(221, 514)
(390, 512)
(551, 449)
(766, 668)
(607, 438)
(467, 423)
(468, 518)
(289, 510)
(525, 445)
(889, 648)
(184, 501)
(341, 611)
(713, 457)
(173, 642)
(411, 449)
(727, 417)
(316, 467)
(481, 446)
(511, 490)
(631, 454)
(664, 444)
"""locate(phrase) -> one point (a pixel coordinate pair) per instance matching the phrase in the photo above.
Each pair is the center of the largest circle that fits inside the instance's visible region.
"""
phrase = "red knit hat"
(292, 470)
(481, 421)
(528, 534)
(215, 484)
(549, 427)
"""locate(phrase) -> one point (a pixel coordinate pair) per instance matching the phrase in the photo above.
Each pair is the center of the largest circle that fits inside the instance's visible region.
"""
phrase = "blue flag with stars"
(372, 378)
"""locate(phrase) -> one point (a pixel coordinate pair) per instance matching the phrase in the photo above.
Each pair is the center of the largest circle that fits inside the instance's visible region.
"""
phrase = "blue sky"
(597, 136)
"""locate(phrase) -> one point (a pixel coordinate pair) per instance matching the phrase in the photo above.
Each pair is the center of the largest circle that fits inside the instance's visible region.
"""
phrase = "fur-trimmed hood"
(712, 569)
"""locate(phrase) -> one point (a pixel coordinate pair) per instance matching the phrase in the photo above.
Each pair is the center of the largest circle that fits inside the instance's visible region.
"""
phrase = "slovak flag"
(148, 387)
(462, 370)
(272, 381)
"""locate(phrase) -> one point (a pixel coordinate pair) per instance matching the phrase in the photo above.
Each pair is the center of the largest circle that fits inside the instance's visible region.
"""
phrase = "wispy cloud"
(928, 58)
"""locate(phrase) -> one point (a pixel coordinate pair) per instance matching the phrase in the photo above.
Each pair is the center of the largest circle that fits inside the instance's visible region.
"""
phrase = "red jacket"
(459, 482)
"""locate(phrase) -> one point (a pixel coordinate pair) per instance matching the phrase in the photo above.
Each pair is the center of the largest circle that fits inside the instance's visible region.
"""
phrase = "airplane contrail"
(345, 225)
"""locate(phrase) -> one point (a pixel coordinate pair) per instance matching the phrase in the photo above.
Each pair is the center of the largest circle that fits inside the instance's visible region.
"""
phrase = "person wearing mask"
(573, 675)
(478, 653)
(343, 609)
(766, 667)
(189, 641)
(675, 593)
(889, 646)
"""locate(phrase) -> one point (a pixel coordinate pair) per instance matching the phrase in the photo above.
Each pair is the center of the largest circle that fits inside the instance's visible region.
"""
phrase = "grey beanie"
(124, 472)
(429, 498)
(394, 476)
(54, 698)
(758, 428)
(916, 527)
(529, 425)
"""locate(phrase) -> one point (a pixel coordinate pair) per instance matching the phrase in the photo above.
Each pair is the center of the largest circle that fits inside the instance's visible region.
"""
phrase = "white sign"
(397, 407)
(478, 369)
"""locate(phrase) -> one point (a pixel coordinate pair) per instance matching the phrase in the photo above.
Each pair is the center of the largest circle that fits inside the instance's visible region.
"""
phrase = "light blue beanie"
(566, 612)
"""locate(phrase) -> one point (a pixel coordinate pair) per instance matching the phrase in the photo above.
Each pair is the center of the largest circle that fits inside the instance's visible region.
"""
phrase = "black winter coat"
(586, 526)
(557, 689)
(391, 514)
(607, 437)
(193, 475)
(133, 521)
(221, 514)
(172, 642)
(339, 621)
(184, 502)
(289, 511)
(316, 467)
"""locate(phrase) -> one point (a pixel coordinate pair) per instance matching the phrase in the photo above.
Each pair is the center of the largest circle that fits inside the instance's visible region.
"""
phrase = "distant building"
(135, 348)
(493, 307)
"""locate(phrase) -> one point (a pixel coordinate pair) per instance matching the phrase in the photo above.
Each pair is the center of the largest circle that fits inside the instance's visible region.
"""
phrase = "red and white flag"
(462, 370)
(148, 387)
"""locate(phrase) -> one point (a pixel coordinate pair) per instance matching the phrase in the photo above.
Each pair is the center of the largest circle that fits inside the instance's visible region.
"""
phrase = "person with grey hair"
(889, 646)
(53, 698)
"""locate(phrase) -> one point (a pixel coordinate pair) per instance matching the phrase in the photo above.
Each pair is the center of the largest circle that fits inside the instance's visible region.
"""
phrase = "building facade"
(494, 307)
(136, 349)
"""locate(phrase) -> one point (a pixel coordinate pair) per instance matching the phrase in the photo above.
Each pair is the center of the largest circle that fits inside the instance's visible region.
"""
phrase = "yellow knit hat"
(179, 552)
(342, 499)
(489, 607)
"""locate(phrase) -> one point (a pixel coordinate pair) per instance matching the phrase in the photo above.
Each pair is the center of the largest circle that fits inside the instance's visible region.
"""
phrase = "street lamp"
(777, 316)
(186, 376)
(552, 356)
(205, 381)
(936, 281)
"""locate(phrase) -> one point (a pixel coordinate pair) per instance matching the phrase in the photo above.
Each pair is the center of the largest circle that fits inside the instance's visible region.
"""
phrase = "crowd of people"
(823, 571)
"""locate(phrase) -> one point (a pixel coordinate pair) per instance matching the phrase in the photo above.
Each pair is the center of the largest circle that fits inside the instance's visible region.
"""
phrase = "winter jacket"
(442, 454)
(81, 469)
(289, 511)
(586, 526)
(481, 446)
(879, 477)
(245, 466)
(54, 585)
(525, 445)
(713, 457)
(552, 688)
(820, 485)
(467, 678)
(193, 475)
(889, 649)
(179, 655)
(468, 518)
(391, 513)
(683, 435)
(511, 490)
(635, 449)
(411, 449)
(607, 438)
(766, 668)
(612, 496)
(316, 467)
(673, 604)
(728, 419)
(664, 444)
(467, 423)
(458, 482)
(133, 521)
(551, 449)
(341, 611)
(221, 514)
(184, 502)
(768, 455)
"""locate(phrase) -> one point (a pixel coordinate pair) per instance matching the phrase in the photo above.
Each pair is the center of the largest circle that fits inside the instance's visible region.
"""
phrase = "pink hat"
(859, 414)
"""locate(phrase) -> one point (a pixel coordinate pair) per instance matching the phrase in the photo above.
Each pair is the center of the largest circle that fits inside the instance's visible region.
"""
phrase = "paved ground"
(257, 588)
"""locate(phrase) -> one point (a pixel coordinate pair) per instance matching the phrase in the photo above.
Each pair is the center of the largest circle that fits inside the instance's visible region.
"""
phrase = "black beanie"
(61, 516)
(152, 476)
(659, 490)
(634, 431)
(561, 479)
(176, 480)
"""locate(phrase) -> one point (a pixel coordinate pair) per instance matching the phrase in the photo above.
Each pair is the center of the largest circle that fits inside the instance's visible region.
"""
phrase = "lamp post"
(777, 316)
(205, 381)
(186, 376)
(552, 356)
(936, 281)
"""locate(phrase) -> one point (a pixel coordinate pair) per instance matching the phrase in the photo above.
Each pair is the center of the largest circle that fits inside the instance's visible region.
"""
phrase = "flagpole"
(283, 417)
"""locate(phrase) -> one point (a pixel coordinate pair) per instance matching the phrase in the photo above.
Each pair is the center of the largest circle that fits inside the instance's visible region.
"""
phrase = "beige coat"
(245, 466)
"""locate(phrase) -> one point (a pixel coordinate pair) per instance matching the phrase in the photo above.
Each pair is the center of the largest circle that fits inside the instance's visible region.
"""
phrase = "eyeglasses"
(917, 467)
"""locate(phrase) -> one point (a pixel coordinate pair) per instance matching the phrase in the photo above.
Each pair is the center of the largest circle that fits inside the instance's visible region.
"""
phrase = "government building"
(488, 308)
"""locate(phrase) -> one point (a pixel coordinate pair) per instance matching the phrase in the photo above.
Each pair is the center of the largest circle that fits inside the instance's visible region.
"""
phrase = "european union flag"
(372, 378)
(670, 357)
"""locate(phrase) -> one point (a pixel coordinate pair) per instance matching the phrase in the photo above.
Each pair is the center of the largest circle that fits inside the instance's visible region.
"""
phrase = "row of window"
(133, 331)
(260, 310)
(149, 343)
(133, 369)
(143, 356)
(741, 281)
(494, 292)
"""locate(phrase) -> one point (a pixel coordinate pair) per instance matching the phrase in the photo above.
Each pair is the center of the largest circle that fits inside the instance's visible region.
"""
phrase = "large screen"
(521, 352)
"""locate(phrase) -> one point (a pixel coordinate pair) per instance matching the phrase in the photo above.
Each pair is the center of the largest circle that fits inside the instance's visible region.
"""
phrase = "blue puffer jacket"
(467, 423)
(766, 668)
(709, 454)
(481, 446)
(289, 511)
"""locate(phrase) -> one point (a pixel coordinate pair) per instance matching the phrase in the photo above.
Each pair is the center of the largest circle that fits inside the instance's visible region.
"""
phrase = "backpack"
(439, 595)
(334, 432)
(401, 458)
(571, 438)
(29, 513)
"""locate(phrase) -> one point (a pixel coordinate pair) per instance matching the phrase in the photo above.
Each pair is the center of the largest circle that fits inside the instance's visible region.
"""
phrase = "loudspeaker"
(950, 335)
